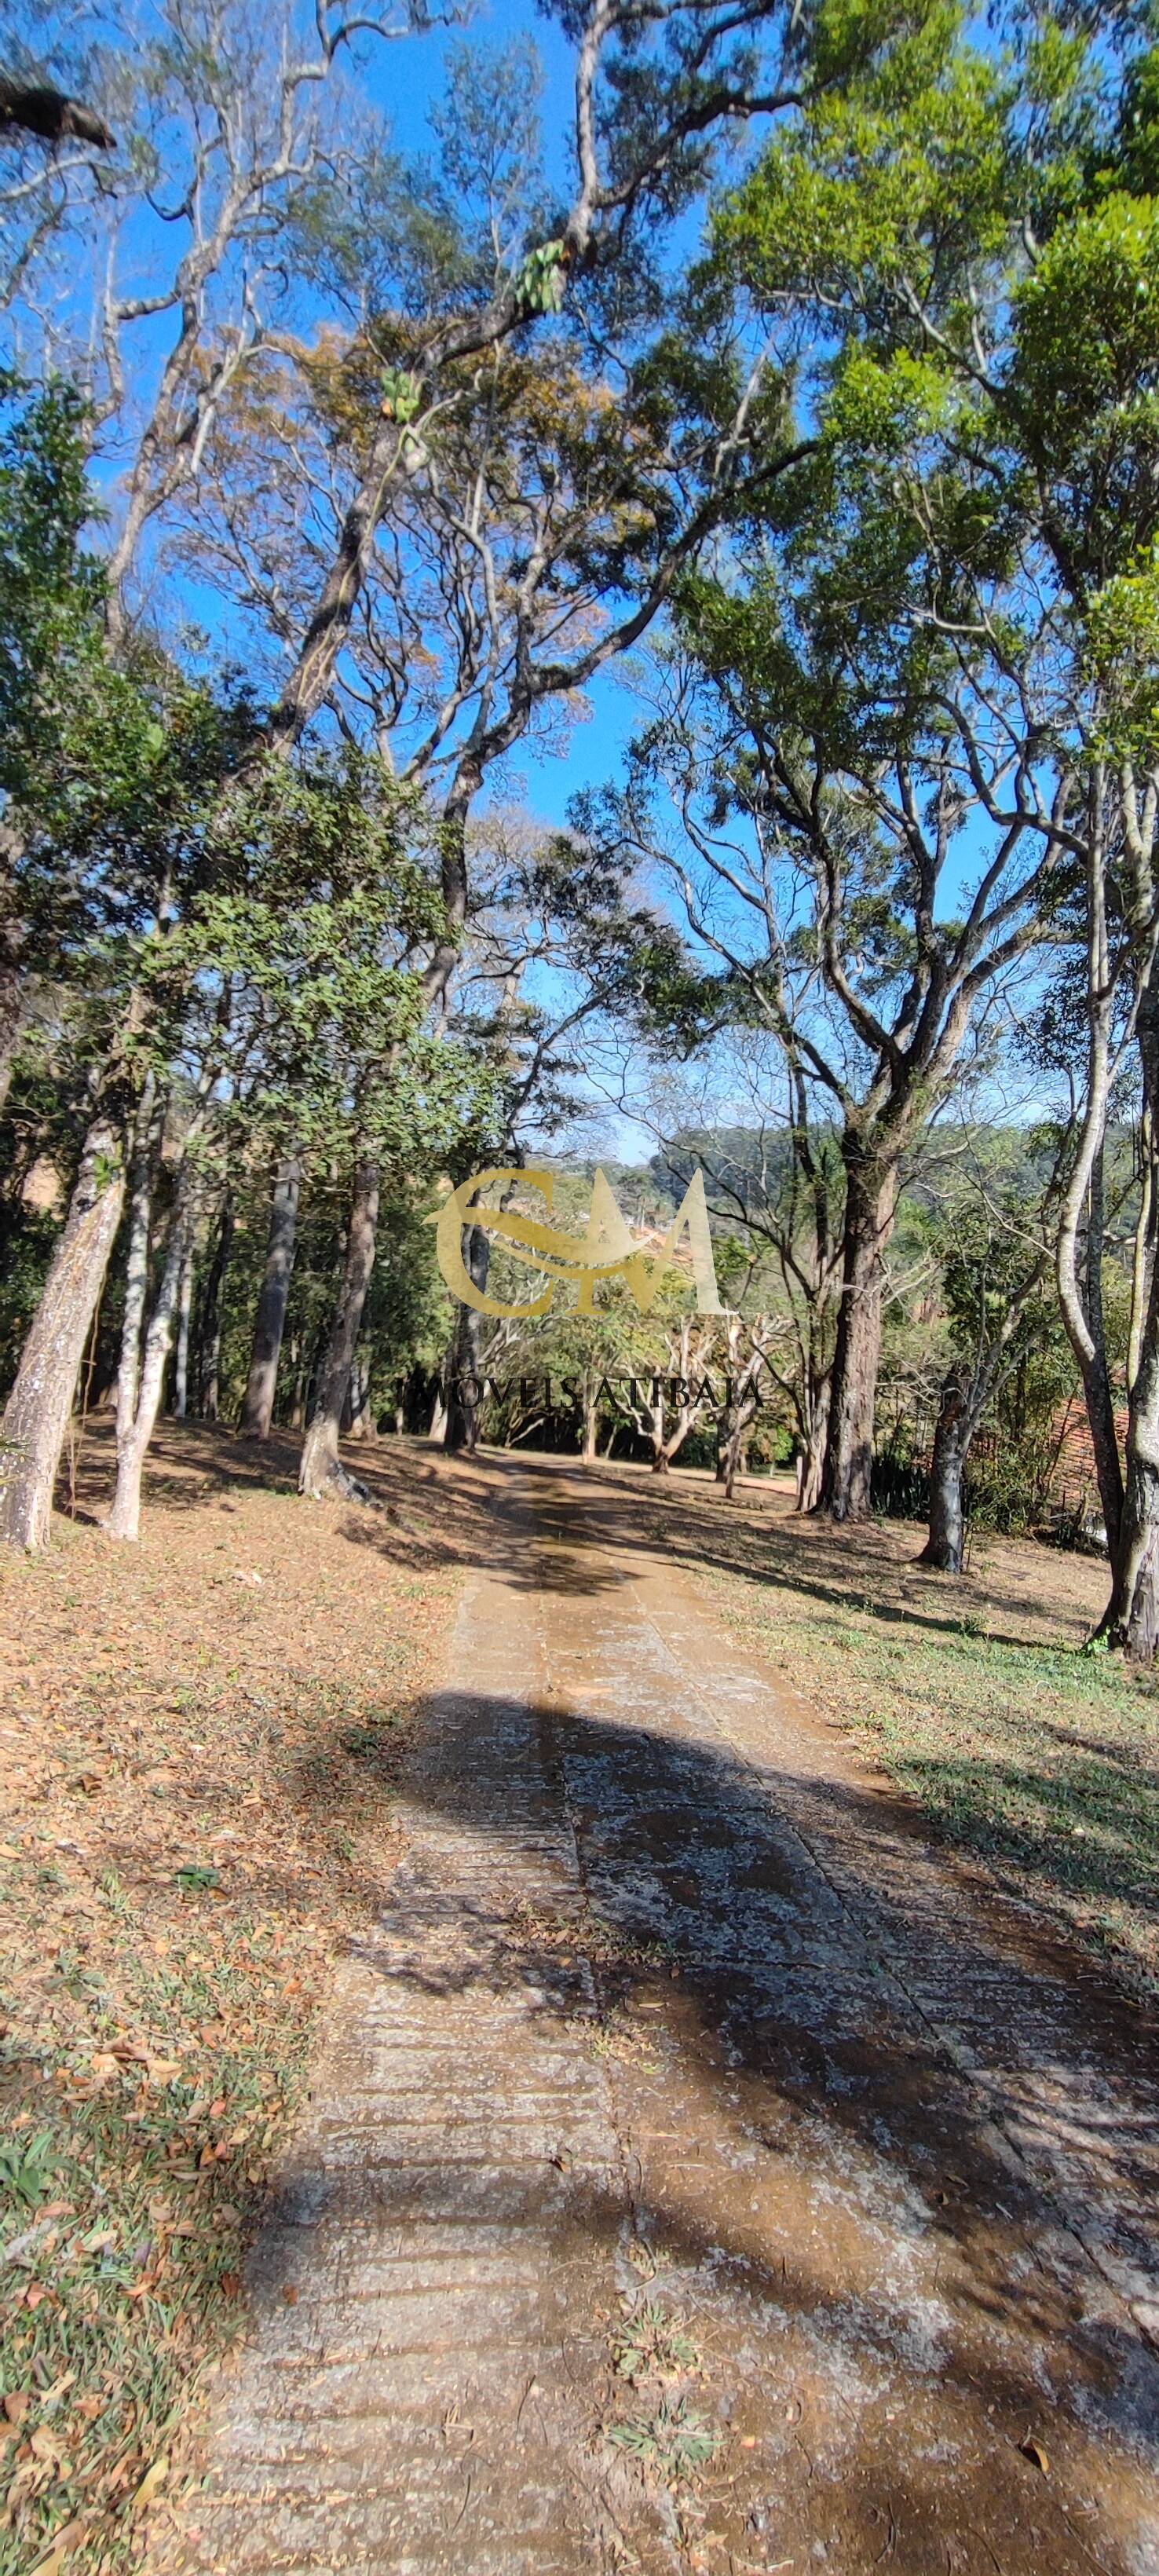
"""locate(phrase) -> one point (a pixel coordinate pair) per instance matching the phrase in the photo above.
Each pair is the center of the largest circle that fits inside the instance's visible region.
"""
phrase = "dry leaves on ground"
(199, 1739)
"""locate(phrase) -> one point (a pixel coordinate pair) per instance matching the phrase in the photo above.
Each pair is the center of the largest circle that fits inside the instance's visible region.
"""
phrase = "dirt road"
(701, 2174)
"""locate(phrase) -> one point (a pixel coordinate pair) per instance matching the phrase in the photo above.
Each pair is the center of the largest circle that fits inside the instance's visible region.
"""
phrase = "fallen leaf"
(290, 2295)
(231, 2284)
(1032, 2450)
(16, 2404)
(65, 2540)
(152, 2480)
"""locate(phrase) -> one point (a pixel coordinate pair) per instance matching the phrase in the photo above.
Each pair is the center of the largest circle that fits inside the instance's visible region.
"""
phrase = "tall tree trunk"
(591, 1409)
(36, 1415)
(146, 1127)
(209, 1314)
(811, 1456)
(1082, 1310)
(358, 1421)
(464, 1393)
(123, 1519)
(181, 1355)
(1142, 1251)
(11, 1002)
(742, 1416)
(270, 1320)
(871, 1188)
(365, 1424)
(1132, 1616)
(946, 1545)
(320, 1471)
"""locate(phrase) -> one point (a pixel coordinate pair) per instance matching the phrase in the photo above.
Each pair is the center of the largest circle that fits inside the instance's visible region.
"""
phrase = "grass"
(651, 2344)
(671, 2442)
(199, 1745)
(1039, 1756)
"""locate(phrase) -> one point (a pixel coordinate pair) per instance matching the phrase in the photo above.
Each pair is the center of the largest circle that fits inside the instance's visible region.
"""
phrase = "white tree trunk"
(181, 1361)
(123, 1519)
(38, 1408)
(137, 1255)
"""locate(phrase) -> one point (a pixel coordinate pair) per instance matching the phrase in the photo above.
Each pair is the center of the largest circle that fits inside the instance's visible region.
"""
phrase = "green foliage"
(80, 743)
(674, 2443)
(401, 394)
(539, 287)
(26, 2168)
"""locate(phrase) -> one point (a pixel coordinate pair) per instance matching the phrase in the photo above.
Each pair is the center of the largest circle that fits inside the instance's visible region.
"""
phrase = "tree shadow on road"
(784, 2003)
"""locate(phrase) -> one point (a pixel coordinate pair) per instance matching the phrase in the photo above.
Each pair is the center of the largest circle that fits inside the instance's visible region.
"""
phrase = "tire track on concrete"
(671, 2013)
(420, 2381)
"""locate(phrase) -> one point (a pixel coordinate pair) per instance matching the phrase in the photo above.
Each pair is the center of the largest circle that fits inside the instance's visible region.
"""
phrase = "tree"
(995, 1268)
(819, 824)
(981, 242)
(653, 101)
(778, 1183)
(104, 771)
(270, 1320)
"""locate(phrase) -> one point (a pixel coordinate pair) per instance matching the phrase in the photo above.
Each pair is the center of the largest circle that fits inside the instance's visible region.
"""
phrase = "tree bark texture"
(123, 1519)
(181, 1354)
(1081, 1299)
(320, 1471)
(870, 1207)
(141, 1169)
(37, 1412)
(811, 1460)
(1132, 1616)
(464, 1392)
(1132, 1619)
(209, 1315)
(270, 1320)
(736, 1444)
(946, 1545)
(11, 1003)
